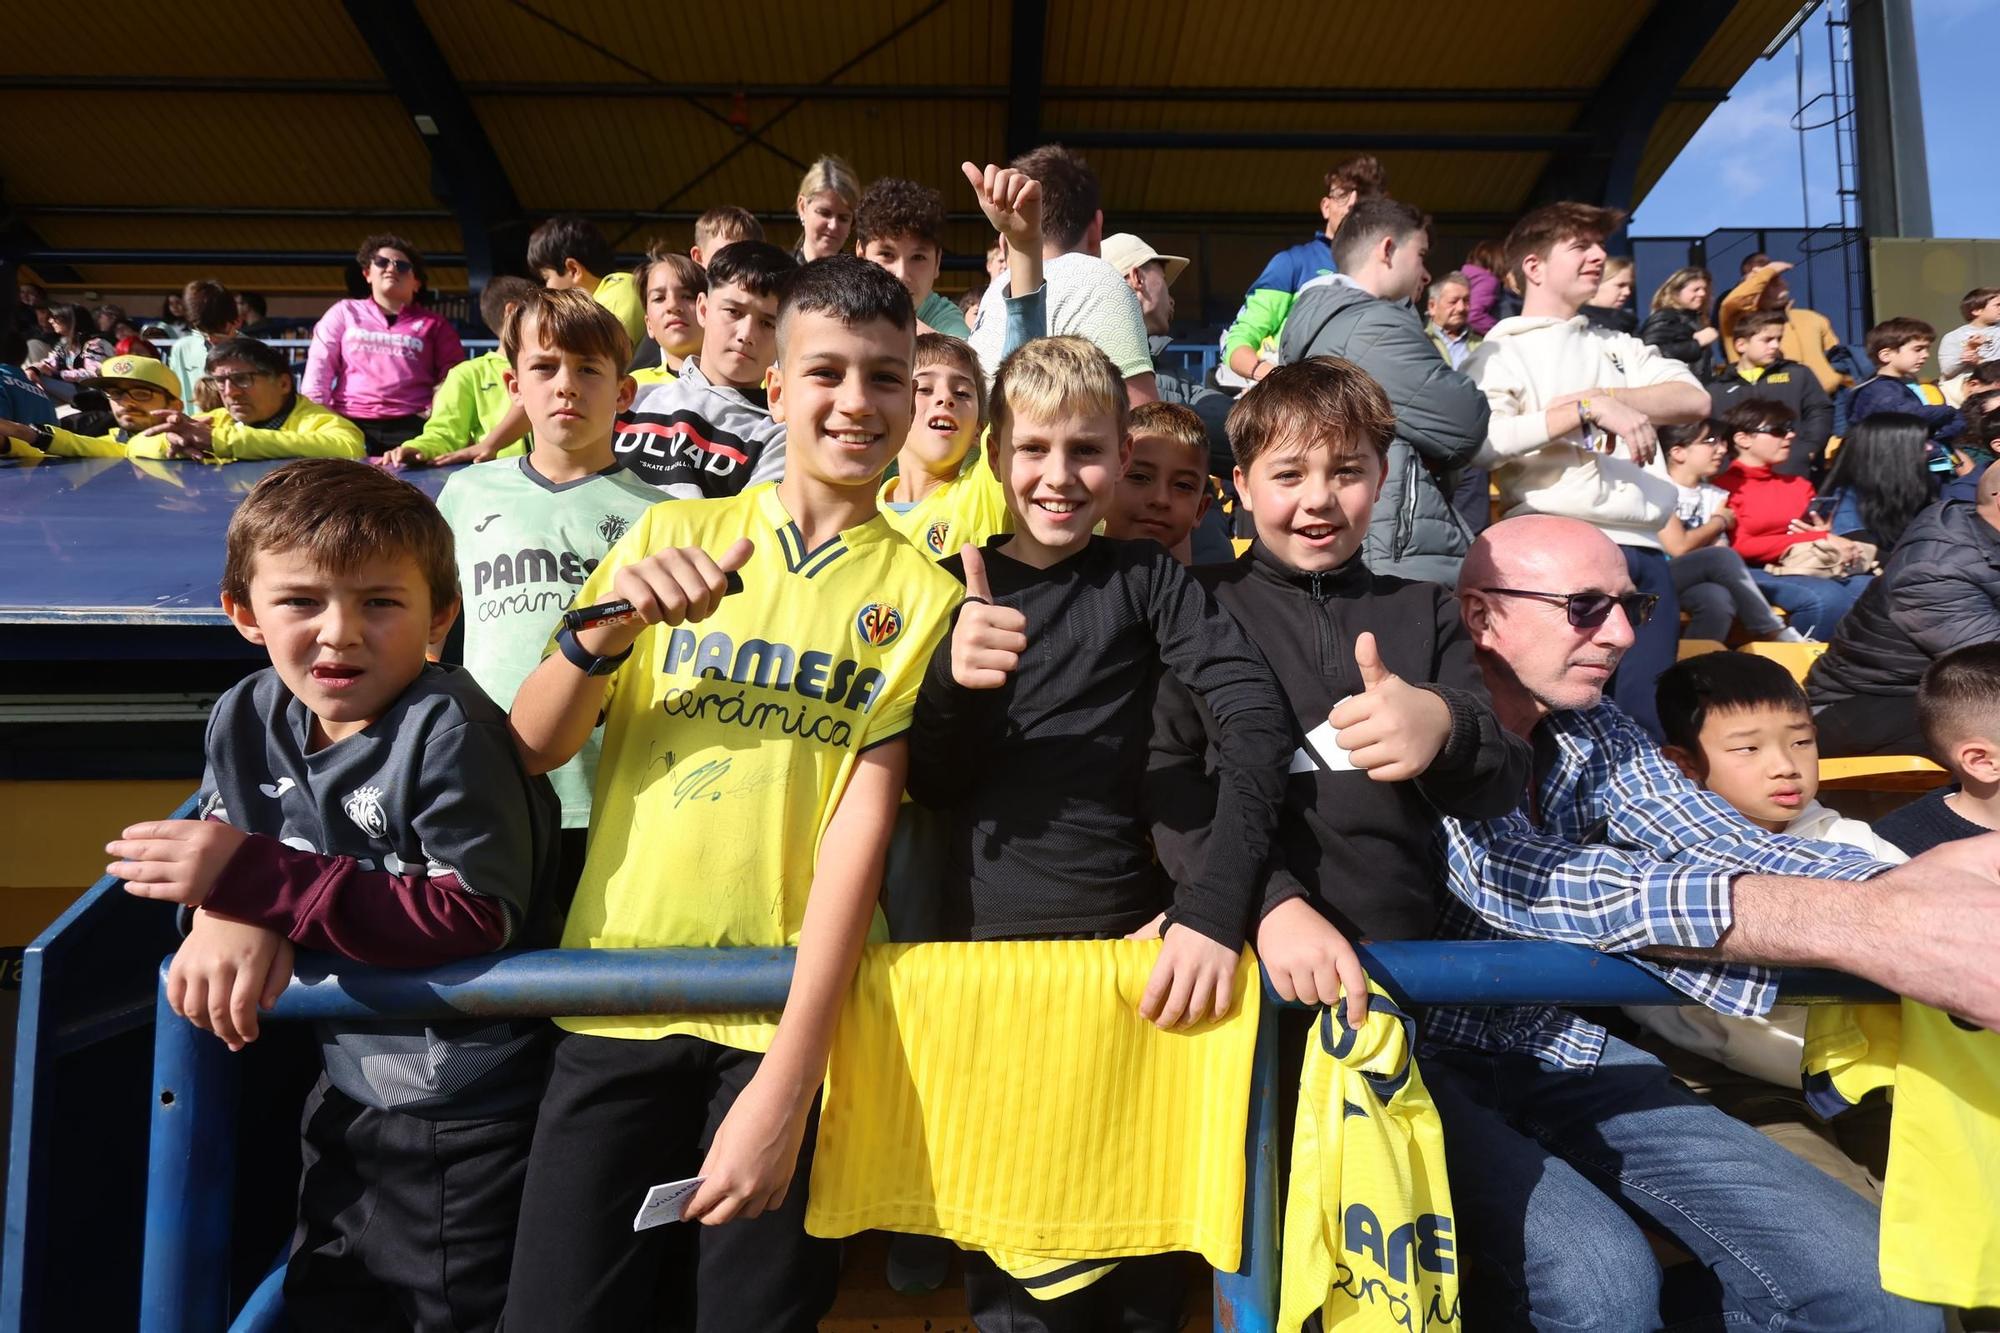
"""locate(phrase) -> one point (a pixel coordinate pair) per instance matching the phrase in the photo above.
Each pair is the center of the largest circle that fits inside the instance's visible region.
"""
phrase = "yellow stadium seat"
(1697, 647)
(1882, 772)
(1796, 658)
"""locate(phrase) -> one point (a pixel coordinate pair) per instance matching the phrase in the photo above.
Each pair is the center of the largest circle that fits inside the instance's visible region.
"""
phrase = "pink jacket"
(365, 365)
(1482, 298)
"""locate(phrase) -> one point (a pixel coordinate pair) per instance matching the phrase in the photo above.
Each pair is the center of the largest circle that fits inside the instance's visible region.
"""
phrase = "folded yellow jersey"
(1941, 1197)
(1008, 1096)
(1369, 1242)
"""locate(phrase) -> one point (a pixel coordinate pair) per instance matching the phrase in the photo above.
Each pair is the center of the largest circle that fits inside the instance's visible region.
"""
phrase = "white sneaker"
(1790, 635)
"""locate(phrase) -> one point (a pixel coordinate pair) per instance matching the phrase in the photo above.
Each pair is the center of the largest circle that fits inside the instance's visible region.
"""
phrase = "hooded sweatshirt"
(1527, 362)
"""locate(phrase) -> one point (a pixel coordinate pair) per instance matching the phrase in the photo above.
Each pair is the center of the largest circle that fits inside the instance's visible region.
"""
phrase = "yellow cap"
(135, 370)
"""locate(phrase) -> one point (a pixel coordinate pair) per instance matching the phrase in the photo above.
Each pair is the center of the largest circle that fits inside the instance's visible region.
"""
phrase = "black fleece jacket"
(1366, 853)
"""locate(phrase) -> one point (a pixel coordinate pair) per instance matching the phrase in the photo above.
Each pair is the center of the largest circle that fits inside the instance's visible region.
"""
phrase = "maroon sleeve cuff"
(371, 916)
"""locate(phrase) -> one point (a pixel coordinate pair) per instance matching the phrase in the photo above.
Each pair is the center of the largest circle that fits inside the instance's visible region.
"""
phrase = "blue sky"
(1742, 169)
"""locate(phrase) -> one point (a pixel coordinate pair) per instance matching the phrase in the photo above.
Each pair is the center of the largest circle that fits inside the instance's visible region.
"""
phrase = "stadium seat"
(1698, 647)
(1240, 544)
(1796, 658)
(1886, 773)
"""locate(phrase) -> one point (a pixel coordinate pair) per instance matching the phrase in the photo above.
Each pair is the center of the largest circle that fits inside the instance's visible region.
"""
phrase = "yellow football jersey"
(968, 508)
(1369, 1241)
(620, 295)
(1941, 1196)
(727, 744)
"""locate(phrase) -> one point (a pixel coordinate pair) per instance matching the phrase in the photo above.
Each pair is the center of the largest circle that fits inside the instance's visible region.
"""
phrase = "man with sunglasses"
(1567, 1133)
(262, 415)
(378, 360)
(142, 391)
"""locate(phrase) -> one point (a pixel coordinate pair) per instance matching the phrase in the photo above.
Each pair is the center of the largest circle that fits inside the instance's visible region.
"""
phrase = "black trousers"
(404, 1223)
(619, 1117)
(1142, 1295)
(386, 433)
(1870, 724)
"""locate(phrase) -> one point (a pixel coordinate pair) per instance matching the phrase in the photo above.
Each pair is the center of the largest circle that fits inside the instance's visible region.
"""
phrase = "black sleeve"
(1482, 771)
(1671, 337)
(1815, 417)
(950, 729)
(1207, 651)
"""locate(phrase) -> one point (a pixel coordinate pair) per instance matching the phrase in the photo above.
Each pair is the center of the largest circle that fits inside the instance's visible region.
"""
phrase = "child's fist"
(987, 643)
(1011, 202)
(174, 859)
(680, 585)
(1392, 730)
(1309, 961)
(223, 972)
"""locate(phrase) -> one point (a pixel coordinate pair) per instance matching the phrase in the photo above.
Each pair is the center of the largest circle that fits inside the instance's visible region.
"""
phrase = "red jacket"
(1765, 506)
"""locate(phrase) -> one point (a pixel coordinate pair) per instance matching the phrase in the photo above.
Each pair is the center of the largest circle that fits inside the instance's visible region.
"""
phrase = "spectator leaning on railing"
(378, 359)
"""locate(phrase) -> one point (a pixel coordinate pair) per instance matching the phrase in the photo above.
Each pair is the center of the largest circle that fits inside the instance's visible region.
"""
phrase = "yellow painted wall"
(54, 835)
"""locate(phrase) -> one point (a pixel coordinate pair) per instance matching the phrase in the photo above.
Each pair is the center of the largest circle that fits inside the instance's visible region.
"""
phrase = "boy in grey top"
(363, 802)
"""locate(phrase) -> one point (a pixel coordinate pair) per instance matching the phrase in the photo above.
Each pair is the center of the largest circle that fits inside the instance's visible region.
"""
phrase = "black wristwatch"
(583, 659)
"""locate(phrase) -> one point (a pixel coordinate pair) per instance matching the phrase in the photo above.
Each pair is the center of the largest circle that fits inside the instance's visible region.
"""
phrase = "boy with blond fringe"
(1031, 732)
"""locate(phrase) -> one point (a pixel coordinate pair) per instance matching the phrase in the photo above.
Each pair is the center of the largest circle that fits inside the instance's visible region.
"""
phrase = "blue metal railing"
(191, 1168)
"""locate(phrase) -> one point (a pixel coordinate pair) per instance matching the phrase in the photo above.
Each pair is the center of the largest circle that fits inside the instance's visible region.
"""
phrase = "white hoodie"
(1770, 1047)
(1528, 361)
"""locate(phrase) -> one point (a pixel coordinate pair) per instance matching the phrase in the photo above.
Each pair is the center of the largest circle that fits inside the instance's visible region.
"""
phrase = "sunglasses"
(1588, 610)
(388, 265)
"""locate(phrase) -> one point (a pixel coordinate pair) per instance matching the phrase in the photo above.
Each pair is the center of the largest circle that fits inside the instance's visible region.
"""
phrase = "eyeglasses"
(1588, 610)
(133, 393)
(388, 265)
(239, 380)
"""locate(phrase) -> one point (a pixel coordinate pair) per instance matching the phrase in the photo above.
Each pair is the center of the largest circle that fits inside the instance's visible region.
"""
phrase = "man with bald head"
(1574, 1132)
(1940, 591)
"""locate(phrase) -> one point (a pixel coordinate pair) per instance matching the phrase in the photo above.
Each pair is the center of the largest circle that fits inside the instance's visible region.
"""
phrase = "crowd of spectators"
(1563, 494)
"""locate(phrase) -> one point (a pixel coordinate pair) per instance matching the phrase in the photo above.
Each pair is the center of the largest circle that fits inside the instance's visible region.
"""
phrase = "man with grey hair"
(1449, 306)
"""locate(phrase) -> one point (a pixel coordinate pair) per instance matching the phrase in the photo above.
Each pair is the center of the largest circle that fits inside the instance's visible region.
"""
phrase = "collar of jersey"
(792, 542)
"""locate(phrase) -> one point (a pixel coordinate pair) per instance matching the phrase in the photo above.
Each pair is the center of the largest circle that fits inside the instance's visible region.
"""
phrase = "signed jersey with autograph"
(728, 743)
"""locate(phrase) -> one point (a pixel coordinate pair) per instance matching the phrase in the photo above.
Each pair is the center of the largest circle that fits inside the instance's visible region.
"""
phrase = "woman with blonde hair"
(827, 195)
(1678, 324)
(1611, 308)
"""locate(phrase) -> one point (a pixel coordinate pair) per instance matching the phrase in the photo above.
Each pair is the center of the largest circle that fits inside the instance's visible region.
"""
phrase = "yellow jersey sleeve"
(309, 431)
(67, 443)
(620, 295)
(729, 743)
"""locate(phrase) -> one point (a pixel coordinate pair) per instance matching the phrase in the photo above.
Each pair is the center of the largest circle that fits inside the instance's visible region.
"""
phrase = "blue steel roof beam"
(466, 172)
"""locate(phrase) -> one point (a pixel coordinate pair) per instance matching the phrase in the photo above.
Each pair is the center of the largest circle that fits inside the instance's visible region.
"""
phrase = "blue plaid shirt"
(1626, 854)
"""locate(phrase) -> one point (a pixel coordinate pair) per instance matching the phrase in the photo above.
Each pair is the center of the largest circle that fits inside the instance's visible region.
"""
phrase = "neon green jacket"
(470, 402)
(1271, 296)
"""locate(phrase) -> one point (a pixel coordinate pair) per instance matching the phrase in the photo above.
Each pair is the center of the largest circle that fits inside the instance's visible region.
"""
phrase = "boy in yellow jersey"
(141, 389)
(941, 498)
(1164, 491)
(471, 413)
(569, 251)
(752, 761)
(673, 286)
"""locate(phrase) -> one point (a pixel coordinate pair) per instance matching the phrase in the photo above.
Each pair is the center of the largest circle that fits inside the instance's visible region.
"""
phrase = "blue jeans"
(1655, 644)
(1555, 1171)
(1814, 604)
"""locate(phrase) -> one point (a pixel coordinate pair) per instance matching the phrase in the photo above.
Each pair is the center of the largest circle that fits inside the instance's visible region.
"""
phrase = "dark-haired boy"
(362, 802)
(1392, 719)
(262, 415)
(1761, 371)
(530, 530)
(1976, 340)
(753, 759)
(1898, 348)
(570, 251)
(709, 432)
(213, 315)
(899, 224)
(673, 285)
(1958, 710)
(472, 417)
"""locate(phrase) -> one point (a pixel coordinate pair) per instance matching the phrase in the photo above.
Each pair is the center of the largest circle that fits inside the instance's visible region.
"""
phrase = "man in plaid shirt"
(1567, 1139)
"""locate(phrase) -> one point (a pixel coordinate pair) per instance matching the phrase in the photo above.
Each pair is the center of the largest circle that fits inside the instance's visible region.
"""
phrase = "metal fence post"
(1246, 1301)
(190, 1179)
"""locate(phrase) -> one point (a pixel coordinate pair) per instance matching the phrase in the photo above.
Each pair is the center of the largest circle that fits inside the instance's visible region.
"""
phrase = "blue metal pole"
(264, 1312)
(1246, 1301)
(190, 1179)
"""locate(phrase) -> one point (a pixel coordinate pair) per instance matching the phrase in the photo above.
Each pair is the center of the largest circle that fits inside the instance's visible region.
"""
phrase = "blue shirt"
(1624, 854)
(22, 400)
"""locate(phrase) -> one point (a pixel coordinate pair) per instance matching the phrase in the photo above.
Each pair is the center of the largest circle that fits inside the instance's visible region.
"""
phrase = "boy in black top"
(362, 802)
(1379, 675)
(1031, 735)
(1958, 709)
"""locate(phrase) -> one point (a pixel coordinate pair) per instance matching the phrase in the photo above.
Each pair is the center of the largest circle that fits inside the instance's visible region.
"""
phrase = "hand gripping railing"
(191, 1171)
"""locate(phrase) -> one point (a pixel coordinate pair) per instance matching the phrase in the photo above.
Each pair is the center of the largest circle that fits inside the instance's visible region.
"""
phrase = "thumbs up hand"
(1392, 730)
(678, 585)
(987, 643)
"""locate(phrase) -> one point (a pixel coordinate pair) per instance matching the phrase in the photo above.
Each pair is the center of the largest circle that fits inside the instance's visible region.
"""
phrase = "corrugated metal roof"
(315, 127)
